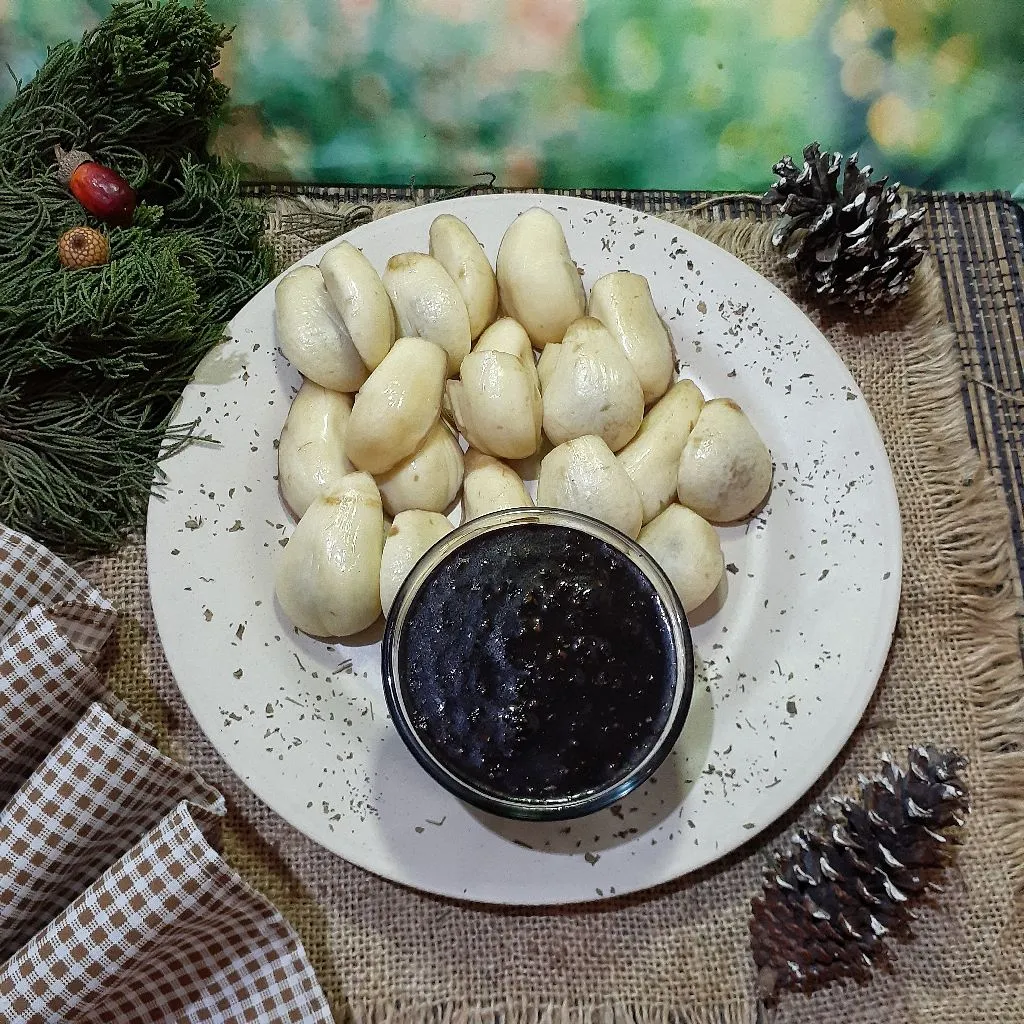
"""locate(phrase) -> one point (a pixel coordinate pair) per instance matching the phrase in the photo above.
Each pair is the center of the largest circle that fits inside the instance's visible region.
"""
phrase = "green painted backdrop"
(616, 93)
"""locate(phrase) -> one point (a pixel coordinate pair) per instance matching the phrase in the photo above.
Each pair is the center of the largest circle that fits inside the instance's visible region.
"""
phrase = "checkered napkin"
(114, 906)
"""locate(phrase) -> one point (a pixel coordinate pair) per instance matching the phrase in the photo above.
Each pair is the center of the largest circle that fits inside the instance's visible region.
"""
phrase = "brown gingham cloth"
(114, 905)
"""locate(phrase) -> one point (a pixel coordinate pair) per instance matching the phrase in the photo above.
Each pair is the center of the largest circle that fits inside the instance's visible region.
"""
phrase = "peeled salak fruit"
(489, 485)
(312, 333)
(687, 547)
(507, 335)
(652, 458)
(311, 451)
(428, 304)
(725, 469)
(589, 387)
(622, 302)
(429, 479)
(497, 405)
(327, 578)
(397, 406)
(583, 475)
(538, 283)
(358, 293)
(409, 537)
(456, 248)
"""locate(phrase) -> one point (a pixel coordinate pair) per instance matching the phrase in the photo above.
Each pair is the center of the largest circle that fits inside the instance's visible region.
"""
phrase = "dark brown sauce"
(537, 663)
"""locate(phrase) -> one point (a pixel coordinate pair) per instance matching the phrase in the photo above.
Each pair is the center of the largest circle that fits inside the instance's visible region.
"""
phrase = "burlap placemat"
(680, 953)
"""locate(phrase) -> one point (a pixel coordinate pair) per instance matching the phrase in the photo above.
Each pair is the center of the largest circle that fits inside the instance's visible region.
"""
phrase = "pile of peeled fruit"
(442, 379)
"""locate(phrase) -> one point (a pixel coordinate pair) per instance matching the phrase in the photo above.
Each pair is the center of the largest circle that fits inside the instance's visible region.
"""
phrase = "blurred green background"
(612, 93)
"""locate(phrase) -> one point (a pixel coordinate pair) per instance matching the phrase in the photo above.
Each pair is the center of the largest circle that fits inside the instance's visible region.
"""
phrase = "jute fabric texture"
(680, 953)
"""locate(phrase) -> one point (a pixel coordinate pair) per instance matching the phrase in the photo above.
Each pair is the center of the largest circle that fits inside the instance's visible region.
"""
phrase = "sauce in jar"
(537, 662)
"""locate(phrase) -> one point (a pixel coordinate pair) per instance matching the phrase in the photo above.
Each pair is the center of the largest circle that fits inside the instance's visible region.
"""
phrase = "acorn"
(83, 247)
(102, 191)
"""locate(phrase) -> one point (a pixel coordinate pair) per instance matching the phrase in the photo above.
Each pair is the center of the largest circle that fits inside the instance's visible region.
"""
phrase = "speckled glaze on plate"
(785, 667)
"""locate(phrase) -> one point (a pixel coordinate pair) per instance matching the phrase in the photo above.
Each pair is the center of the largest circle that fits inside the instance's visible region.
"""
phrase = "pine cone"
(829, 905)
(856, 246)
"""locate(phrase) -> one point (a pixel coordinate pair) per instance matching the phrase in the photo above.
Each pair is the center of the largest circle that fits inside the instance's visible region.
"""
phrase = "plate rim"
(887, 619)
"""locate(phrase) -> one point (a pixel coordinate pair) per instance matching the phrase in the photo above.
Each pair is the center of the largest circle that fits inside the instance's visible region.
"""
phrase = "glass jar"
(597, 687)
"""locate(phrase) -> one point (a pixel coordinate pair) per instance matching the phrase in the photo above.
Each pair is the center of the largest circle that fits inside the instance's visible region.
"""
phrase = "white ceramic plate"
(788, 663)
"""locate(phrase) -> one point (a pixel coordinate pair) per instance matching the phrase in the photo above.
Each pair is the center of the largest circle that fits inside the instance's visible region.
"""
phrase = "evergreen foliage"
(92, 361)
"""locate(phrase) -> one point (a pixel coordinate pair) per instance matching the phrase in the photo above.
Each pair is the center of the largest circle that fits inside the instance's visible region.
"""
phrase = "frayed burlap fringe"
(739, 237)
(565, 1013)
(297, 224)
(973, 536)
(285, 211)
